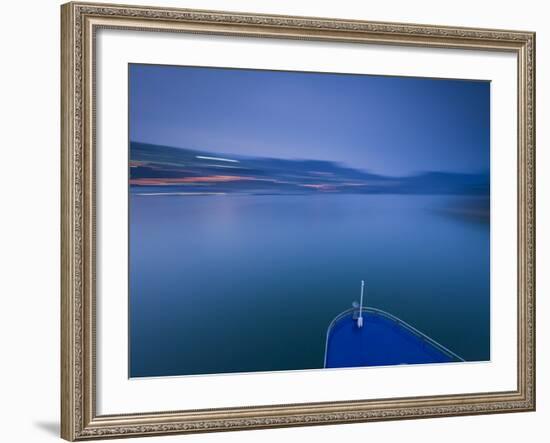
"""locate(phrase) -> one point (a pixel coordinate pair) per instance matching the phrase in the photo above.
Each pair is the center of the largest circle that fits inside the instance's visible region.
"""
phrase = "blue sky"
(386, 125)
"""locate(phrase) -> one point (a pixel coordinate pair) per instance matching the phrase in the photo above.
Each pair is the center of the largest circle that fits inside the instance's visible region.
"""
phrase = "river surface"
(242, 283)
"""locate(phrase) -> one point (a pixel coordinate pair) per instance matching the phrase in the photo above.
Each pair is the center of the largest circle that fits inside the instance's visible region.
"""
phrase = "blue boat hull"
(383, 340)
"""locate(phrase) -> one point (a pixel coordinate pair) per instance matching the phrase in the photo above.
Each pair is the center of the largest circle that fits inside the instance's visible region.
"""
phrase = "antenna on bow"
(360, 318)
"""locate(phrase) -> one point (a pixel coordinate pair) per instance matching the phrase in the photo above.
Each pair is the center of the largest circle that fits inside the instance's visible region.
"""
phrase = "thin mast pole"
(360, 318)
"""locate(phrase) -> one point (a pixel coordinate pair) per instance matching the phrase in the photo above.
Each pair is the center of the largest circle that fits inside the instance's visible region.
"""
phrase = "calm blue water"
(241, 283)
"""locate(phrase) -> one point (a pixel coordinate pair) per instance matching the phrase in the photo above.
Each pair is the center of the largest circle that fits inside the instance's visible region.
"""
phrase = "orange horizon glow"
(177, 180)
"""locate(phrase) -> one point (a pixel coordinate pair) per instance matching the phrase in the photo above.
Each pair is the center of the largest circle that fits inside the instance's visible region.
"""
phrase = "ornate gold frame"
(80, 21)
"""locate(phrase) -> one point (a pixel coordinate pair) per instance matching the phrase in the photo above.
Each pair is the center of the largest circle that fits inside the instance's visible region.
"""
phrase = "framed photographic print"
(282, 221)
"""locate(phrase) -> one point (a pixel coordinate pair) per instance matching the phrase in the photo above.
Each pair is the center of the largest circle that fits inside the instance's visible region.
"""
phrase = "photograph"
(288, 217)
(290, 221)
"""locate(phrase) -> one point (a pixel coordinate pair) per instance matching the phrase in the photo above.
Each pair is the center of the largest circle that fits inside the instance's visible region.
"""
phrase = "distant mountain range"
(171, 169)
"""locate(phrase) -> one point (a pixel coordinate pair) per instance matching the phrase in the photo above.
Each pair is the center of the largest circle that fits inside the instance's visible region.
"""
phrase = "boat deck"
(383, 340)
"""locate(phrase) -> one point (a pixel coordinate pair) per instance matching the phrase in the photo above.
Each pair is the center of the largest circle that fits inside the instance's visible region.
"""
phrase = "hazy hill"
(170, 169)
